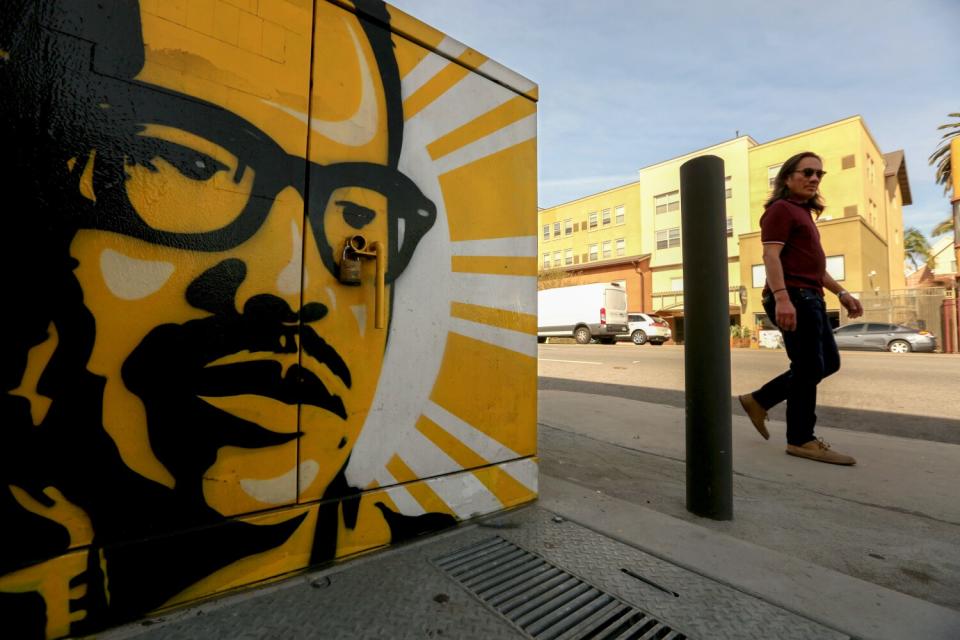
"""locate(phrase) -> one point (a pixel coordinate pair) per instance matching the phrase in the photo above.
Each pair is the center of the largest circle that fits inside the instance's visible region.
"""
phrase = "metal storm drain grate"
(545, 601)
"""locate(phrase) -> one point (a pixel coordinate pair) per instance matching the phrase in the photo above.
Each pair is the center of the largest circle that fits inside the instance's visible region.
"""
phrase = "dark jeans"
(813, 356)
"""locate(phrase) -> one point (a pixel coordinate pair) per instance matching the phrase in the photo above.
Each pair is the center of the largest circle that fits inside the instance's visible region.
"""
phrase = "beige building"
(865, 190)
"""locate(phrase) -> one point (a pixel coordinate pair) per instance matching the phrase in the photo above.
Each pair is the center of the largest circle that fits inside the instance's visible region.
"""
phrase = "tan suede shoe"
(756, 413)
(820, 451)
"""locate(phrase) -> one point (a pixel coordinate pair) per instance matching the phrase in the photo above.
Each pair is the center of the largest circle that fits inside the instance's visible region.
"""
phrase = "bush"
(736, 331)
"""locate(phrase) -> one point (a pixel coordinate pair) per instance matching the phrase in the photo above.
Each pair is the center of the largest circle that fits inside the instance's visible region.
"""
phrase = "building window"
(676, 284)
(556, 259)
(546, 261)
(668, 238)
(621, 246)
(848, 162)
(666, 202)
(568, 226)
(556, 229)
(835, 267)
(605, 215)
(728, 186)
(546, 232)
(593, 220)
(729, 227)
(772, 174)
(593, 252)
(870, 169)
(568, 256)
(759, 276)
(606, 249)
(619, 213)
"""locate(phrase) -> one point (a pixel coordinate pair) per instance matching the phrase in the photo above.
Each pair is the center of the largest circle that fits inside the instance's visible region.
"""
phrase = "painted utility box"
(270, 296)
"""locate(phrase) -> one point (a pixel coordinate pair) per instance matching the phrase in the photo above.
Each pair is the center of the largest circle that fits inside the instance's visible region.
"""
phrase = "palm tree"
(941, 156)
(916, 248)
(942, 228)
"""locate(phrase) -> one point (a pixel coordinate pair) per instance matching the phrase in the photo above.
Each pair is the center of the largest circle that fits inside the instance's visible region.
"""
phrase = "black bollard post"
(706, 307)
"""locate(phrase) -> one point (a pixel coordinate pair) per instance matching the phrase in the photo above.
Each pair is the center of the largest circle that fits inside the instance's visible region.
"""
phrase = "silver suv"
(643, 328)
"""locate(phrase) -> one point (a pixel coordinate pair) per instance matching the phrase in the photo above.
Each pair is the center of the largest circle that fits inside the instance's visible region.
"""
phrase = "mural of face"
(249, 365)
(185, 350)
(193, 395)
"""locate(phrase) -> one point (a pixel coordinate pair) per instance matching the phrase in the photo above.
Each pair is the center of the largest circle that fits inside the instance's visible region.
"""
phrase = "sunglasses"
(809, 173)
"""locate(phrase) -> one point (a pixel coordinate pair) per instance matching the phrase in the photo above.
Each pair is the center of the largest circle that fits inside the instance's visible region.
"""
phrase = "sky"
(628, 83)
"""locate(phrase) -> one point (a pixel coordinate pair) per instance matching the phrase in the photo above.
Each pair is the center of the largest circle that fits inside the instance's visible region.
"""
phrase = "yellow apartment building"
(861, 229)
(596, 238)
(660, 215)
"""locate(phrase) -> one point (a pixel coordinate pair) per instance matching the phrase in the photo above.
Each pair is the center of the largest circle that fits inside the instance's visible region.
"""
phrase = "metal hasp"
(707, 351)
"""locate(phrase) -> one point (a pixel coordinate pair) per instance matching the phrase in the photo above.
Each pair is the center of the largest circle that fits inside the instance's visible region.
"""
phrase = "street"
(911, 395)
(611, 420)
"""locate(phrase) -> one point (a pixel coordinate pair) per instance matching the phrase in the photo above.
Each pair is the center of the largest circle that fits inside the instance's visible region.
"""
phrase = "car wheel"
(638, 337)
(582, 334)
(899, 346)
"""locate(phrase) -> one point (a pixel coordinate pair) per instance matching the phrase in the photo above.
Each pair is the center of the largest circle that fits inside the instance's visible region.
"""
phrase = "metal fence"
(919, 308)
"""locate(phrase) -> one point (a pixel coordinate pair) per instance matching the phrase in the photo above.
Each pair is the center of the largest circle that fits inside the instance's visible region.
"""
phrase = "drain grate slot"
(543, 600)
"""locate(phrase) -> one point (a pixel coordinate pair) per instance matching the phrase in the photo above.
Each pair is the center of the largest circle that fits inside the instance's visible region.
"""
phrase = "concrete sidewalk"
(794, 563)
(873, 550)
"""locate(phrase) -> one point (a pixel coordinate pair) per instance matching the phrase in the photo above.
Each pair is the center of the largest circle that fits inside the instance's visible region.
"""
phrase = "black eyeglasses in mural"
(155, 183)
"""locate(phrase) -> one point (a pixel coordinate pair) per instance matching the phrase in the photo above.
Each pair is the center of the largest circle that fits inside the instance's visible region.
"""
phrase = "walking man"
(793, 299)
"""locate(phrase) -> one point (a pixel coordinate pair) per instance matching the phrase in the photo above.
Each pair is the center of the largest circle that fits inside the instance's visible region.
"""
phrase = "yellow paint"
(449, 76)
(167, 199)
(37, 360)
(490, 122)
(51, 579)
(62, 511)
(514, 321)
(253, 59)
(496, 392)
(508, 491)
(450, 445)
(421, 491)
(373, 532)
(410, 53)
(86, 179)
(478, 207)
(496, 265)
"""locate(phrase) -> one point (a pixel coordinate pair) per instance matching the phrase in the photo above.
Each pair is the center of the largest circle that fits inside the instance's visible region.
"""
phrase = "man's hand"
(851, 304)
(786, 314)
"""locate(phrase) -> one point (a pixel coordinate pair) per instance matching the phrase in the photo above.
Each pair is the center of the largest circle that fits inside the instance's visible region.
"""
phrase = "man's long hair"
(781, 191)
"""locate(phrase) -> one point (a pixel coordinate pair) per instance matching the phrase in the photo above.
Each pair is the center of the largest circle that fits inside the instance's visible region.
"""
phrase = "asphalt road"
(910, 395)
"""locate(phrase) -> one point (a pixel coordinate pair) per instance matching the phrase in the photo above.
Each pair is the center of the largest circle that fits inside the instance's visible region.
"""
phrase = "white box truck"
(583, 312)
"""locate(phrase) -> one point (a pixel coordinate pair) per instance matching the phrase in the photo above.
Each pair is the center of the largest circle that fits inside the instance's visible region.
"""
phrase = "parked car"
(881, 336)
(643, 328)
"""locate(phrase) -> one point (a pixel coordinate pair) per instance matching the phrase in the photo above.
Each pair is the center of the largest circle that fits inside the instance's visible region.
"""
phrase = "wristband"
(778, 291)
(842, 293)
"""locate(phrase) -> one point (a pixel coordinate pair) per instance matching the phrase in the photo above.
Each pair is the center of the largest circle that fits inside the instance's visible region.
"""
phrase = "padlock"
(350, 267)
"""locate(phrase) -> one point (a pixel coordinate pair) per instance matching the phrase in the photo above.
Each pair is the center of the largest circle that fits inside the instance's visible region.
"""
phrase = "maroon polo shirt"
(791, 224)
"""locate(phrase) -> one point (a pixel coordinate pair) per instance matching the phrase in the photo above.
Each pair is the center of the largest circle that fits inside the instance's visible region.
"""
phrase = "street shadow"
(929, 428)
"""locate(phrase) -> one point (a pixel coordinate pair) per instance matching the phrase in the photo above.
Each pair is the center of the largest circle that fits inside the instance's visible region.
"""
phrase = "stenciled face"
(239, 370)
(803, 187)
